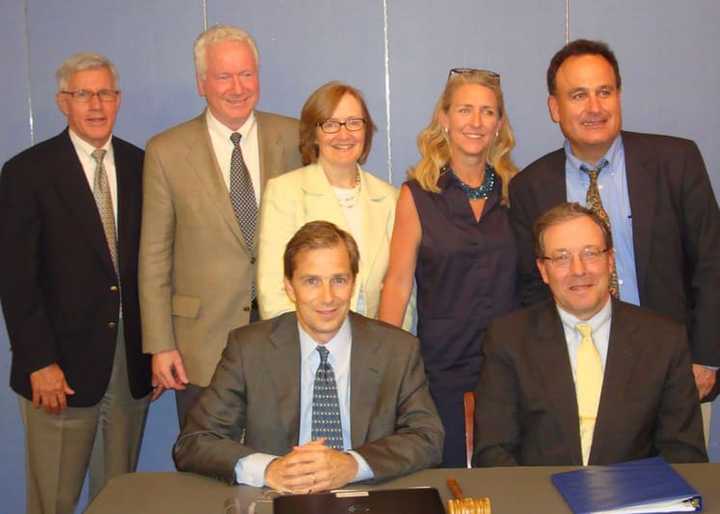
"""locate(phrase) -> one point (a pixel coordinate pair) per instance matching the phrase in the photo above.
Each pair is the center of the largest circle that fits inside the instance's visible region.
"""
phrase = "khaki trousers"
(59, 448)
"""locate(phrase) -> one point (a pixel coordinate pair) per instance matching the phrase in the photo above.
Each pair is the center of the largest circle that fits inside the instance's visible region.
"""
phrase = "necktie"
(588, 384)
(242, 196)
(101, 192)
(325, 407)
(594, 203)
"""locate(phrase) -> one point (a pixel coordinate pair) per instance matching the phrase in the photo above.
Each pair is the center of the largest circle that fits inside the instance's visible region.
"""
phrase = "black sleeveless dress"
(466, 276)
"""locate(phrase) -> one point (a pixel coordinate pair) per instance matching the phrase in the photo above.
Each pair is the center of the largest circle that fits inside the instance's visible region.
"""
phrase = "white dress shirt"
(600, 325)
(84, 151)
(223, 148)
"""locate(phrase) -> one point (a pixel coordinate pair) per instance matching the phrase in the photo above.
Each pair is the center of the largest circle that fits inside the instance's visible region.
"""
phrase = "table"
(519, 490)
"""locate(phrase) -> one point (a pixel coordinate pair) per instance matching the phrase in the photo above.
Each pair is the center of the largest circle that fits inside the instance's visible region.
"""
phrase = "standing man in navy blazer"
(655, 190)
(582, 378)
(69, 233)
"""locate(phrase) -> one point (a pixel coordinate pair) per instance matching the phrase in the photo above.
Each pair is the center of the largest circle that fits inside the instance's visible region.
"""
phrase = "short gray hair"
(217, 34)
(84, 61)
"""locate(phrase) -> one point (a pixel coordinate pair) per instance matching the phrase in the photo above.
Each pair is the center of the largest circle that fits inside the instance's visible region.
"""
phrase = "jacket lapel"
(129, 205)
(642, 180)
(365, 377)
(72, 185)
(378, 206)
(621, 360)
(283, 365)
(554, 364)
(270, 149)
(201, 158)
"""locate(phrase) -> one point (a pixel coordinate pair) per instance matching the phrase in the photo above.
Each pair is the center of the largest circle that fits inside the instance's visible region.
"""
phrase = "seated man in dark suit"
(583, 378)
(316, 398)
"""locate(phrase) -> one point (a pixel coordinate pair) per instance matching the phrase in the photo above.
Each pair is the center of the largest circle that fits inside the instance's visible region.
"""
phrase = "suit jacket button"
(112, 324)
(252, 260)
(246, 308)
(114, 289)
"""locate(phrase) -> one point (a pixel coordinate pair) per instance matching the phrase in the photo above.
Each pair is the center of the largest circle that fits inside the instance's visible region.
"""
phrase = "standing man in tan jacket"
(202, 186)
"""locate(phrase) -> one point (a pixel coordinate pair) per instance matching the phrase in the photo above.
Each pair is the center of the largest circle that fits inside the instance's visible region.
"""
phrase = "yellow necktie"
(588, 384)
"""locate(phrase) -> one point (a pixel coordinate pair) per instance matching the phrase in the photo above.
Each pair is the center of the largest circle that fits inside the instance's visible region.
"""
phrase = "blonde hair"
(434, 146)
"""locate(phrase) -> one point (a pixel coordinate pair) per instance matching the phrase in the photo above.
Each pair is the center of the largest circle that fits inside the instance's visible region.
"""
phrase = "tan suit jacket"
(253, 402)
(195, 269)
(305, 195)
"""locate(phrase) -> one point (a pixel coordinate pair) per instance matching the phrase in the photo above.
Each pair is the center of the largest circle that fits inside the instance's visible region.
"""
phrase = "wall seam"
(28, 77)
(203, 6)
(567, 21)
(388, 123)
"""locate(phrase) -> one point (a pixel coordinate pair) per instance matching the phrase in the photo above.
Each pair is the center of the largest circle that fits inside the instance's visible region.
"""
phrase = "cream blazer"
(304, 195)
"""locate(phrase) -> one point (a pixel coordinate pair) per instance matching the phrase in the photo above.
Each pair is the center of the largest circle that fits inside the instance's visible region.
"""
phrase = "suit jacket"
(253, 402)
(304, 195)
(195, 268)
(526, 408)
(60, 294)
(676, 232)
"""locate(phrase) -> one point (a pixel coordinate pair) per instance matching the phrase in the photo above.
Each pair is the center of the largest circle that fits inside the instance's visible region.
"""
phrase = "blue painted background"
(397, 52)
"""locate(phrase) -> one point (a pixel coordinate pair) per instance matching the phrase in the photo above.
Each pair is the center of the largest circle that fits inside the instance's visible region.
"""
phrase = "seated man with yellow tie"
(314, 399)
(584, 378)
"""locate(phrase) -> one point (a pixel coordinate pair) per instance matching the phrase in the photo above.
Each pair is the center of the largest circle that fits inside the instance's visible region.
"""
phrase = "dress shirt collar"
(602, 317)
(85, 149)
(339, 346)
(616, 149)
(223, 132)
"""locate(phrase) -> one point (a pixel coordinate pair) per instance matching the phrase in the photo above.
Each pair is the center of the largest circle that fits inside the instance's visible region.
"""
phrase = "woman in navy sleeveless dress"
(453, 237)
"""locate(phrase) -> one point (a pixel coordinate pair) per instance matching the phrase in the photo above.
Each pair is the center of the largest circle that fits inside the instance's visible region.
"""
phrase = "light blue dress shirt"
(250, 470)
(600, 325)
(612, 184)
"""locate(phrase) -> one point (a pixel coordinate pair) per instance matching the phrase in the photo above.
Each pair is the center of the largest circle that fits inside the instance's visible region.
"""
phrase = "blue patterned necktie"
(242, 196)
(325, 407)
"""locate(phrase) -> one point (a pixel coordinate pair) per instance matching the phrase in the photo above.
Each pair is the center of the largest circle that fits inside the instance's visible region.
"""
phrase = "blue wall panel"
(425, 42)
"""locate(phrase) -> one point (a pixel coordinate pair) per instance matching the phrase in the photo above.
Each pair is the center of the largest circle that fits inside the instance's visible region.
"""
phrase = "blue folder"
(627, 487)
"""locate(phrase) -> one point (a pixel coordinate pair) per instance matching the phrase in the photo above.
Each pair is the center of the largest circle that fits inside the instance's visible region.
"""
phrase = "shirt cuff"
(364, 471)
(250, 470)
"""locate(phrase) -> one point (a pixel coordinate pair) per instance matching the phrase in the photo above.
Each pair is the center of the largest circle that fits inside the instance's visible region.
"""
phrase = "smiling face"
(580, 288)
(92, 121)
(472, 121)
(586, 104)
(321, 288)
(230, 86)
(342, 149)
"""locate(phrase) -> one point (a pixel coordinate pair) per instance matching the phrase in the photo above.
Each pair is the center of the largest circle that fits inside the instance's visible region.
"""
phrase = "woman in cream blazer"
(335, 138)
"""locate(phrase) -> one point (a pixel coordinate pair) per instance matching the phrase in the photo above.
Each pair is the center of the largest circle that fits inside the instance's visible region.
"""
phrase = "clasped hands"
(311, 467)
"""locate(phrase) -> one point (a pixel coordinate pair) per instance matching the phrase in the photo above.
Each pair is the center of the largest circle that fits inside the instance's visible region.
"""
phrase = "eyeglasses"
(588, 255)
(332, 126)
(84, 96)
(469, 71)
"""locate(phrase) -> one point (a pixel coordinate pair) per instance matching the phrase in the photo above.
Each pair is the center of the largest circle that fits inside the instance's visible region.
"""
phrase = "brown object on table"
(469, 399)
(463, 505)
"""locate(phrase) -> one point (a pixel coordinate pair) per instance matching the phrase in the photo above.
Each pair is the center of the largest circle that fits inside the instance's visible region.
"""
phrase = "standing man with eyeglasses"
(70, 211)
(202, 186)
(653, 191)
(584, 378)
